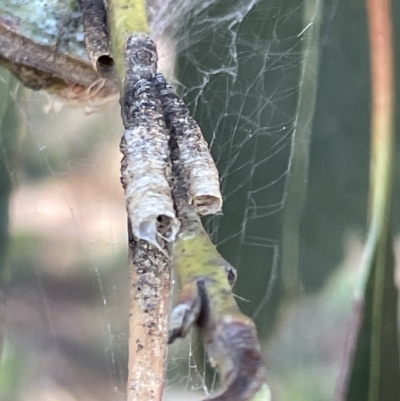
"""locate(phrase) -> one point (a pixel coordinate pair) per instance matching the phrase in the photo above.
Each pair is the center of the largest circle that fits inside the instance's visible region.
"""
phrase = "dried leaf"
(42, 44)
(203, 187)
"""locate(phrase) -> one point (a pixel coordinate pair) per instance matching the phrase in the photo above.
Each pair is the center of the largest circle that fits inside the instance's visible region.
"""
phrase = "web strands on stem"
(230, 338)
(146, 177)
(158, 131)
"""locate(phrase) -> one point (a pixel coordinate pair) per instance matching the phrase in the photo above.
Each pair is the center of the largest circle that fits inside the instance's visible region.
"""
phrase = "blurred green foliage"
(8, 144)
(8, 154)
(239, 73)
(375, 375)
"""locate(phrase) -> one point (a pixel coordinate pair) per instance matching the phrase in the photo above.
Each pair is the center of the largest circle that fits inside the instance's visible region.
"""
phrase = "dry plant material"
(41, 43)
(94, 19)
(203, 186)
(145, 170)
(145, 165)
(151, 216)
(150, 287)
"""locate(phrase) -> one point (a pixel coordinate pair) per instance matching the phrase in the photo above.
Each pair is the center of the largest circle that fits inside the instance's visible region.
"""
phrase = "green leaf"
(375, 373)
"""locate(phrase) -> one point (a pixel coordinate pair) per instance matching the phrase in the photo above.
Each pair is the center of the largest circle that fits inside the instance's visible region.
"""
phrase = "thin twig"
(151, 216)
(148, 320)
(126, 18)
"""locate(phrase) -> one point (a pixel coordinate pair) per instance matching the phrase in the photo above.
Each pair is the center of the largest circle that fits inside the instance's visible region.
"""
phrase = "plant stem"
(125, 19)
(230, 338)
(148, 321)
(380, 35)
(297, 181)
(145, 178)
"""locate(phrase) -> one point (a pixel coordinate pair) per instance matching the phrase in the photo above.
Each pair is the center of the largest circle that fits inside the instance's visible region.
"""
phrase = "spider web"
(247, 70)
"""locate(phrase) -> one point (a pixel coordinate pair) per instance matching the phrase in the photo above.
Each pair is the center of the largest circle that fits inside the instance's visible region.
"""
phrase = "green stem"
(126, 18)
(230, 337)
(380, 29)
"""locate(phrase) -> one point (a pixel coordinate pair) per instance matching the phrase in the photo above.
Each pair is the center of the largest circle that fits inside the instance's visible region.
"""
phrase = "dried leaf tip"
(203, 189)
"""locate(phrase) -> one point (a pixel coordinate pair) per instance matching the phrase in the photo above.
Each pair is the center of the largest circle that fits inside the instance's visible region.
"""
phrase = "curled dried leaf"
(145, 166)
(94, 19)
(204, 189)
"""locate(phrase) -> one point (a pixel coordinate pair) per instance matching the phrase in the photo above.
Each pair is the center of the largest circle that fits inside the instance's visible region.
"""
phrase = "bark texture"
(148, 320)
